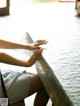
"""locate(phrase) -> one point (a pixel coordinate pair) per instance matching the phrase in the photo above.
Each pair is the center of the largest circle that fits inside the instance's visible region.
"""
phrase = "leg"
(20, 103)
(42, 97)
(52, 105)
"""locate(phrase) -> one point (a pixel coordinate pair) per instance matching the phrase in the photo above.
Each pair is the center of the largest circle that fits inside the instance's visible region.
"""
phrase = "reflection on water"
(64, 55)
(64, 50)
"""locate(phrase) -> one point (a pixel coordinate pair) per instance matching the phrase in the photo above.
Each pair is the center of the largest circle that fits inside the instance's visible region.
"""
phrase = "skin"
(5, 58)
(36, 85)
(11, 45)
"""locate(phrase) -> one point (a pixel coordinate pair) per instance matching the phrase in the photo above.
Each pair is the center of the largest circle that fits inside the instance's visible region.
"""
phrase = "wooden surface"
(50, 81)
(5, 10)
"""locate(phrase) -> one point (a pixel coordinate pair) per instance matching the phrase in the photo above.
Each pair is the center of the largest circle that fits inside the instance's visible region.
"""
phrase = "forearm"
(5, 58)
(12, 45)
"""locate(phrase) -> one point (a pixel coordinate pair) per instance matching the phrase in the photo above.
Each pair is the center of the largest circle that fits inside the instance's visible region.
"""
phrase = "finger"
(40, 50)
(39, 41)
(45, 41)
(37, 47)
(42, 41)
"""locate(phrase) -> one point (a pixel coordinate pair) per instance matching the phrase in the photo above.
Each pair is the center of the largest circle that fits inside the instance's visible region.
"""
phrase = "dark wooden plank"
(5, 10)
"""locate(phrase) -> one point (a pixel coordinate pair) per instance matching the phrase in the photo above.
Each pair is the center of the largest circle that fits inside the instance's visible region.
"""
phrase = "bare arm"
(11, 45)
(5, 58)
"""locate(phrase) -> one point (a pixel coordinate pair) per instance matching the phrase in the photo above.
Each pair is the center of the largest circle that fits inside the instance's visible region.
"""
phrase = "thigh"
(35, 85)
(17, 86)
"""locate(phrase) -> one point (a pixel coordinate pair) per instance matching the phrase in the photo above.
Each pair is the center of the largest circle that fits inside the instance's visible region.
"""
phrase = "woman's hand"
(36, 44)
(33, 47)
(40, 42)
(35, 57)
